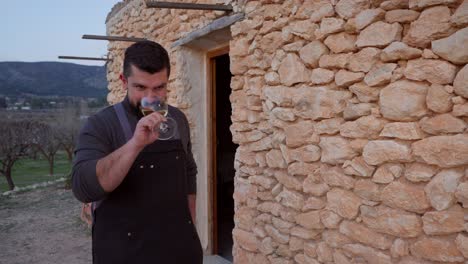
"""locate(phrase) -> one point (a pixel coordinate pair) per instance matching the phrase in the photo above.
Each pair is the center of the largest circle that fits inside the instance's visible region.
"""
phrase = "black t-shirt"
(101, 135)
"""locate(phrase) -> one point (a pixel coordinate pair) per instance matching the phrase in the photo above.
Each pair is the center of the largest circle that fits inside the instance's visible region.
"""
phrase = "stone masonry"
(351, 119)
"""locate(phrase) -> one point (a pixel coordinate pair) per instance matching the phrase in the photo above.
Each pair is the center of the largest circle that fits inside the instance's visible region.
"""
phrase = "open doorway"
(223, 150)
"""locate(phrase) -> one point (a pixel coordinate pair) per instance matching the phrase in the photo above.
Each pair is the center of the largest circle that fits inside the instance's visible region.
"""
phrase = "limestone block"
(335, 177)
(453, 48)
(379, 34)
(310, 220)
(344, 203)
(436, 249)
(336, 150)
(285, 114)
(401, 16)
(358, 167)
(247, 240)
(420, 172)
(438, 99)
(288, 181)
(460, 110)
(460, 84)
(324, 252)
(380, 74)
(292, 70)
(363, 60)
(277, 235)
(441, 189)
(434, 71)
(399, 248)
(462, 244)
(380, 151)
(399, 51)
(444, 222)
(291, 199)
(329, 126)
(462, 194)
(432, 24)
(330, 219)
(369, 254)
(442, 124)
(313, 203)
(334, 61)
(341, 42)
(403, 101)
(298, 134)
(443, 151)
(280, 95)
(460, 17)
(315, 10)
(367, 17)
(319, 102)
(364, 92)
(418, 4)
(349, 8)
(312, 52)
(302, 168)
(274, 159)
(346, 78)
(364, 127)
(322, 76)
(313, 187)
(335, 239)
(364, 235)
(331, 25)
(402, 130)
(367, 190)
(408, 197)
(354, 111)
(391, 221)
(387, 173)
(394, 4)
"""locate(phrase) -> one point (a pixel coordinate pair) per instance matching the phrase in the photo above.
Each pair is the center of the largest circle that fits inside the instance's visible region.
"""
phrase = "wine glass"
(149, 105)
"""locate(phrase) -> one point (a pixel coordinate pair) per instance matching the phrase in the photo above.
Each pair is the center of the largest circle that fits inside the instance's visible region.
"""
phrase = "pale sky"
(41, 30)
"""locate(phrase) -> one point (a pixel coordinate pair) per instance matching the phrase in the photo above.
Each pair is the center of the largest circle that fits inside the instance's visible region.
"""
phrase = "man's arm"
(98, 171)
(112, 169)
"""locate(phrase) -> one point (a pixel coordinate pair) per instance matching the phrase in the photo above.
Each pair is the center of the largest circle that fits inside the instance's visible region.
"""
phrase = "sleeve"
(91, 147)
(191, 166)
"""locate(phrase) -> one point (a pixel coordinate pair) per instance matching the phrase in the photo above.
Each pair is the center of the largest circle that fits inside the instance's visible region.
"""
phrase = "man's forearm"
(112, 169)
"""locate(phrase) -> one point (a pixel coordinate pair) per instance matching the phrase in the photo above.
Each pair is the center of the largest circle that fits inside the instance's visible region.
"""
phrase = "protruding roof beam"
(112, 38)
(158, 4)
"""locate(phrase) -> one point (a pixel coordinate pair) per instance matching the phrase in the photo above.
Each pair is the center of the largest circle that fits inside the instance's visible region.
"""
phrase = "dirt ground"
(43, 226)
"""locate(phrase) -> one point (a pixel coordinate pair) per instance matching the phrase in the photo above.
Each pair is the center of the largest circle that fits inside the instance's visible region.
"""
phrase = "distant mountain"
(52, 79)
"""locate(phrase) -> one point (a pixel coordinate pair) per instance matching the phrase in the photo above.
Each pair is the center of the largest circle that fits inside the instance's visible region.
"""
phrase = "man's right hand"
(146, 131)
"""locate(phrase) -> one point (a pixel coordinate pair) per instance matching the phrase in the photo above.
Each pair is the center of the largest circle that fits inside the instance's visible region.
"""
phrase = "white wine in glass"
(149, 105)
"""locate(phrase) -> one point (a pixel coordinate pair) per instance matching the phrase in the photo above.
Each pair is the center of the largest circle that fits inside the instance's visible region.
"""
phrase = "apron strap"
(123, 119)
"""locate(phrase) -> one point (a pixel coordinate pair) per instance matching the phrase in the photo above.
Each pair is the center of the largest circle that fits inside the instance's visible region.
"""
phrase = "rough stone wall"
(351, 118)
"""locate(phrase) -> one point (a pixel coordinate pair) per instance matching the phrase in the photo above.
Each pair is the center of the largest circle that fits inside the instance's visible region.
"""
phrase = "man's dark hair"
(147, 56)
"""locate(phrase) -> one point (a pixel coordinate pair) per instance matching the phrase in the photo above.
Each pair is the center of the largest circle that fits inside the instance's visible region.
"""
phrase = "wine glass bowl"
(149, 105)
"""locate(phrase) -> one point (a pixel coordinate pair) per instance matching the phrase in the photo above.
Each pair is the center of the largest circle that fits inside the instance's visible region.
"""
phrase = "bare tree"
(15, 139)
(68, 123)
(47, 142)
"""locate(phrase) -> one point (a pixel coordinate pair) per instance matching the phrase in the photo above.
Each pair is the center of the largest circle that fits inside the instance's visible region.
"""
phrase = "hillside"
(52, 79)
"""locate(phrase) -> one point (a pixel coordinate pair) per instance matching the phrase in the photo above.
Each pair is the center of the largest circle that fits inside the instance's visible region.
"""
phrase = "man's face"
(140, 84)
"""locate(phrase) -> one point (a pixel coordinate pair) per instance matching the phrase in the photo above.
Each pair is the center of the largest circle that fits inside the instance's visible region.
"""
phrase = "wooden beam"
(112, 38)
(158, 4)
(83, 58)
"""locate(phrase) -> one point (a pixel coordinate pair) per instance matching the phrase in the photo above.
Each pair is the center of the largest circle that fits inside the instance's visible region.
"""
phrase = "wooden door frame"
(211, 110)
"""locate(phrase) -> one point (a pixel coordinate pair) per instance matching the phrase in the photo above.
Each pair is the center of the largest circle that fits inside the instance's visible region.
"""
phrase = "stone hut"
(339, 127)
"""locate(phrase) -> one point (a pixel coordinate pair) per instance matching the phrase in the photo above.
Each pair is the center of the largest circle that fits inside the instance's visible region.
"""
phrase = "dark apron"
(147, 218)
